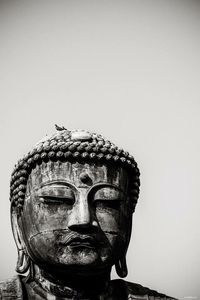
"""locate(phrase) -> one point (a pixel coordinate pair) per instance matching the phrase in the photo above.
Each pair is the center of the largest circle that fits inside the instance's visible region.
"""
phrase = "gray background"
(130, 71)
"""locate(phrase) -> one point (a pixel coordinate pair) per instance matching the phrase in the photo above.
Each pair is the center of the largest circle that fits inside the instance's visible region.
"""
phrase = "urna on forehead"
(80, 174)
(76, 146)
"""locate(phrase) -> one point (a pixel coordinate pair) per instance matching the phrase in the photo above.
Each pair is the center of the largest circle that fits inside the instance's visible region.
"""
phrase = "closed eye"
(107, 204)
(57, 200)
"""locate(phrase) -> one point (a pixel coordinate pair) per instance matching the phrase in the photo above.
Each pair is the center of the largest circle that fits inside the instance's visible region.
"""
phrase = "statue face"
(76, 216)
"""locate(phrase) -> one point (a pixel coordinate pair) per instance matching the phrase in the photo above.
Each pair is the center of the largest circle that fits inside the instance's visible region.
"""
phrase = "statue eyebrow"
(103, 184)
(92, 188)
(61, 183)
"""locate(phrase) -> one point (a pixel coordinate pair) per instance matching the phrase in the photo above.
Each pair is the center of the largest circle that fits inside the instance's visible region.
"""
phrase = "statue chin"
(80, 255)
(82, 261)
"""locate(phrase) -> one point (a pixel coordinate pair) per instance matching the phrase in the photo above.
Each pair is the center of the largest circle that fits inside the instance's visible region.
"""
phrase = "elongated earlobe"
(121, 267)
(22, 262)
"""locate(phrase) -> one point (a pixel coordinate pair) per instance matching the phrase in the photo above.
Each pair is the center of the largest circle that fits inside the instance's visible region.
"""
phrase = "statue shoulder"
(11, 289)
(136, 291)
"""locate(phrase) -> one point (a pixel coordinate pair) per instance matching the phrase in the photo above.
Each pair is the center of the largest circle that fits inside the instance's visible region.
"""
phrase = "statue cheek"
(41, 245)
(39, 217)
(112, 223)
(108, 221)
(47, 246)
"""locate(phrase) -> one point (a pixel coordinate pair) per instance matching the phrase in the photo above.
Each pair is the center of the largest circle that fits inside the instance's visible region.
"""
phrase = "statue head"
(72, 200)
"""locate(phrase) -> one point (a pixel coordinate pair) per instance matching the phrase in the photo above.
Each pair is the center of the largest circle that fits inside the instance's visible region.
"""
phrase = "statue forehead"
(76, 173)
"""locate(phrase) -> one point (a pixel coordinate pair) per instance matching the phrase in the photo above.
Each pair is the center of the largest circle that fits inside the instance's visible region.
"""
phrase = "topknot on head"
(74, 145)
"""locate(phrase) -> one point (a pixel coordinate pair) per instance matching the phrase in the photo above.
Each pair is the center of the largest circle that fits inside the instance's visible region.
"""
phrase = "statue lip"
(82, 242)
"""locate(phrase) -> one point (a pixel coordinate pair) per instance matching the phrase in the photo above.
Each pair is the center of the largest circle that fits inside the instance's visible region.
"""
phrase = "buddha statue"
(72, 199)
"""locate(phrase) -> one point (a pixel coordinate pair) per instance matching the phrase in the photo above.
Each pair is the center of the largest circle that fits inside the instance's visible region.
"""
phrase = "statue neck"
(72, 285)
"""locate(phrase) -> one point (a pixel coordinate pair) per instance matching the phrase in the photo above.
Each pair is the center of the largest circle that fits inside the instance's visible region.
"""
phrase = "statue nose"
(81, 216)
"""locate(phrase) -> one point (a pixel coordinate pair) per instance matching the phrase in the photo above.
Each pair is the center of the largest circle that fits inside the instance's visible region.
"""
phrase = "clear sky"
(129, 70)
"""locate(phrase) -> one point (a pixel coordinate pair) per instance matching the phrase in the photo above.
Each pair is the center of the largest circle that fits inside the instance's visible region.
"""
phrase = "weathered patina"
(72, 200)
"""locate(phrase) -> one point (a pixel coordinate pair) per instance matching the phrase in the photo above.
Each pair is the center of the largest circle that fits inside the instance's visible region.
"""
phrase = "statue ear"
(23, 261)
(121, 267)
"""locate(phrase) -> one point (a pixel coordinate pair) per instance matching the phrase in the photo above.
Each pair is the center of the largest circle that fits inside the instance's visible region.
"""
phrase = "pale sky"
(126, 69)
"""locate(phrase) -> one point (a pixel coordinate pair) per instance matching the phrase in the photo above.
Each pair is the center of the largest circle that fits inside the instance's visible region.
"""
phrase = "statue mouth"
(87, 242)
